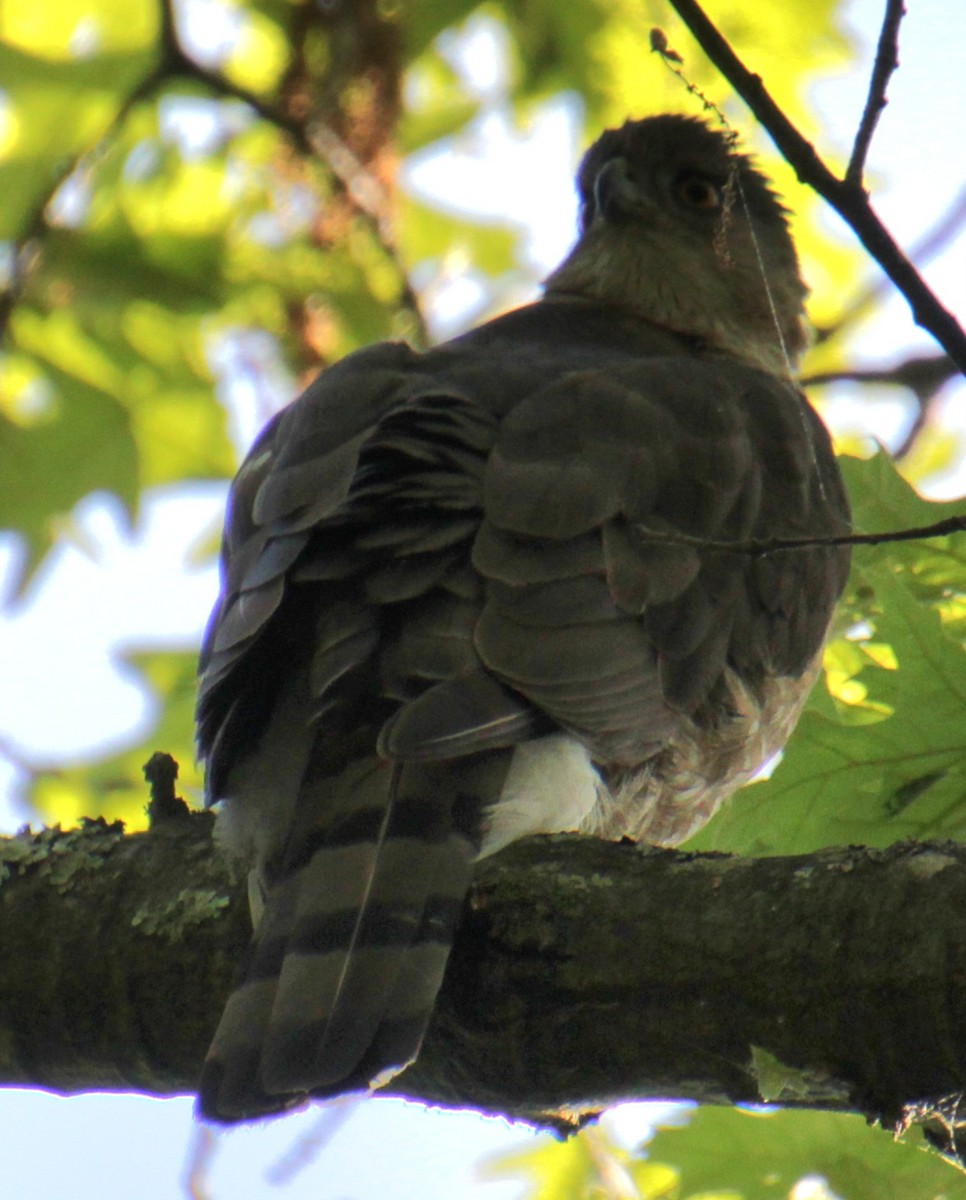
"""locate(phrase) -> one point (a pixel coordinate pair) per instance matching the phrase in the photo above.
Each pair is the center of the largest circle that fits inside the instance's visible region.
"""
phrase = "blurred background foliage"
(731, 1154)
(203, 200)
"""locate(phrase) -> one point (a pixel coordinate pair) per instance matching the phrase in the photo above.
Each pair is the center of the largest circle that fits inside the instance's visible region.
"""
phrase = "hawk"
(488, 591)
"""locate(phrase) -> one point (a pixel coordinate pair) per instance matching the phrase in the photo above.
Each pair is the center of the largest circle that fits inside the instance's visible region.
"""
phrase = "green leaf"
(887, 760)
(438, 103)
(80, 441)
(585, 1167)
(902, 775)
(426, 21)
(429, 232)
(761, 1156)
(882, 500)
(554, 1170)
(60, 100)
(559, 45)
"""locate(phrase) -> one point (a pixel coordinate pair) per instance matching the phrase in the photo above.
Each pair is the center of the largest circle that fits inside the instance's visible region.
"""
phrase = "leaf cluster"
(738, 1154)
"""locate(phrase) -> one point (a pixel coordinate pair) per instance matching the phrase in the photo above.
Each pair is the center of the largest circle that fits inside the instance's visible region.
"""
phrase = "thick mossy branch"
(584, 972)
(587, 972)
(117, 955)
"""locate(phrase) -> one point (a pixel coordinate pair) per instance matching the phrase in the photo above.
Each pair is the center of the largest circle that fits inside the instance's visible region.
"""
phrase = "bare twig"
(201, 1153)
(849, 201)
(924, 376)
(886, 61)
(365, 190)
(917, 425)
(312, 1142)
(763, 546)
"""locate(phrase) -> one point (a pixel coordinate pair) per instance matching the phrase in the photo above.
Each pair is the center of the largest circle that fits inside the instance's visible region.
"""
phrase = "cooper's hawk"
(468, 596)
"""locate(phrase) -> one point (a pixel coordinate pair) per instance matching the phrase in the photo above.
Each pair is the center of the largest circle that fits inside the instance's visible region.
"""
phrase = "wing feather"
(431, 560)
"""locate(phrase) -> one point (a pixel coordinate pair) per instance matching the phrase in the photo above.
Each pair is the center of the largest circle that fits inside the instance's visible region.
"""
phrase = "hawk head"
(679, 227)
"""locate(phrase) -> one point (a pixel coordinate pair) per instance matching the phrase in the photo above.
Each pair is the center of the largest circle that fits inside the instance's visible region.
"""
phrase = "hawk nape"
(453, 611)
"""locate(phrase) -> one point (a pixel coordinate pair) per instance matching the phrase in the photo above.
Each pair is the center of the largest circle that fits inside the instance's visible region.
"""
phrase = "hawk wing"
(466, 598)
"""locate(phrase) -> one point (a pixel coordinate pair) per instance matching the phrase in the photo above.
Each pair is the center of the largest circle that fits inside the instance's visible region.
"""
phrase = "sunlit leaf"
(53, 113)
(882, 501)
(260, 54)
(761, 1156)
(67, 30)
(84, 444)
(585, 1167)
(555, 1169)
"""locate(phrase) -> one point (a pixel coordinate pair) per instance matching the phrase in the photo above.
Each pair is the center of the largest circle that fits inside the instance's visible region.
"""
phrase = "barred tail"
(342, 973)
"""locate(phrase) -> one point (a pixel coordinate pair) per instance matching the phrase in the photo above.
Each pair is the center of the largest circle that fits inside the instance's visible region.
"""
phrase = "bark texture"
(584, 972)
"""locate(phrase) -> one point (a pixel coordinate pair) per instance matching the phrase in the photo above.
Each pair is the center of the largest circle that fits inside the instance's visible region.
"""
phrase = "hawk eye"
(697, 191)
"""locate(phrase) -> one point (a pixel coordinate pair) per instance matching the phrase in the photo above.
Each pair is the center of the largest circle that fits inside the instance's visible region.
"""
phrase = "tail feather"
(229, 1087)
(342, 967)
(345, 966)
(411, 1004)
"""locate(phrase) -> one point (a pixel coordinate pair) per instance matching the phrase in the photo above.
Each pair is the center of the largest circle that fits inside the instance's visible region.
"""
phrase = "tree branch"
(923, 375)
(886, 61)
(922, 251)
(764, 546)
(584, 972)
(848, 199)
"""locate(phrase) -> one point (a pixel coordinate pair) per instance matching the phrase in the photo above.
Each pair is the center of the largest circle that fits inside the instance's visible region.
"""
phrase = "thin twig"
(763, 546)
(616, 1182)
(886, 61)
(311, 1142)
(200, 1156)
(923, 376)
(849, 201)
(14, 755)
